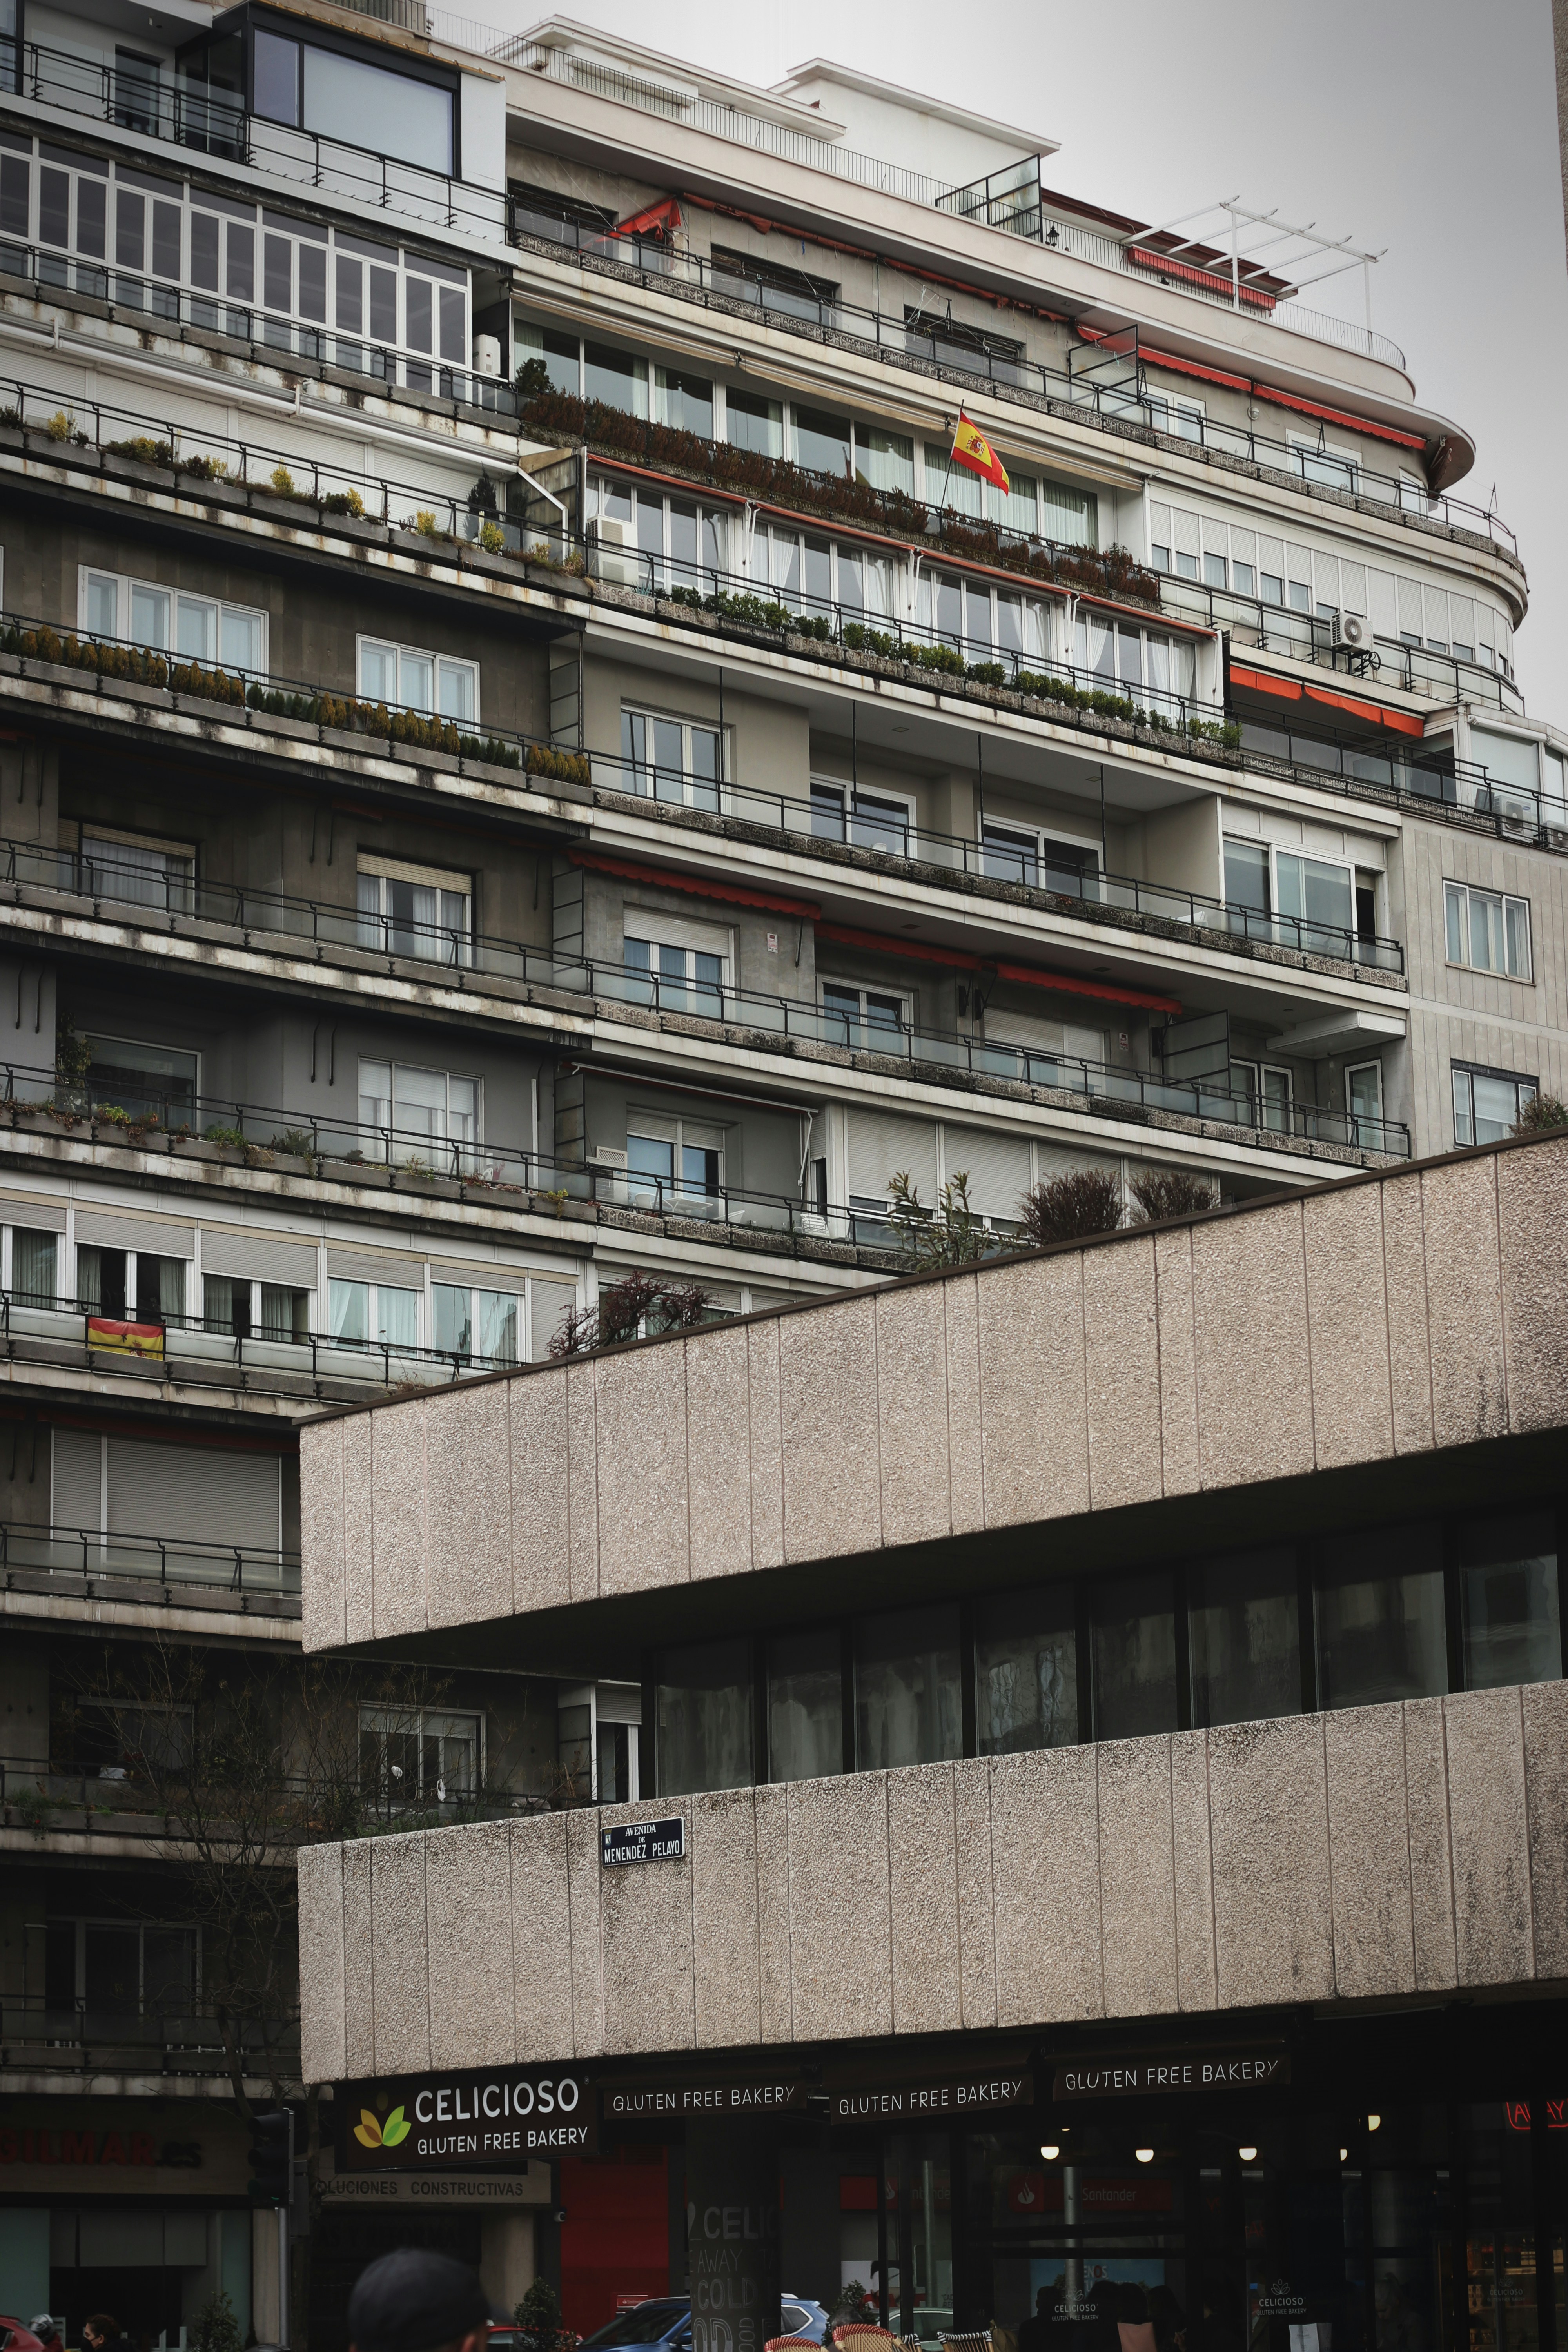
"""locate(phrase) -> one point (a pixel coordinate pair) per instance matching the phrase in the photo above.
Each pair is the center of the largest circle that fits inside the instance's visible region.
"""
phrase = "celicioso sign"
(462, 2122)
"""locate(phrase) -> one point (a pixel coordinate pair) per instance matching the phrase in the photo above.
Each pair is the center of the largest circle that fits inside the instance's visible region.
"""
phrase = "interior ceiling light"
(1248, 2155)
(1144, 2155)
(1051, 2152)
(1373, 2122)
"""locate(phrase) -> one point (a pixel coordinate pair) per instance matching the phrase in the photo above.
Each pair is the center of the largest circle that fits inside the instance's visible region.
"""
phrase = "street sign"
(643, 1841)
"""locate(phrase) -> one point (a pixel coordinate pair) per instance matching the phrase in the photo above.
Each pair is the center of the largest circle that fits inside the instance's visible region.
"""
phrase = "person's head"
(100, 2330)
(42, 2326)
(416, 2300)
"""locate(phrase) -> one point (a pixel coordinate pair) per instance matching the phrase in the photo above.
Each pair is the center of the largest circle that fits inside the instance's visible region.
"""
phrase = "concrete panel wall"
(1367, 1854)
(1356, 1324)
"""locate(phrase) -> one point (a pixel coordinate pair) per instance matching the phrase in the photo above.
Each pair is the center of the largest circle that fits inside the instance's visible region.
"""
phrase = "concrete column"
(507, 2259)
(732, 2234)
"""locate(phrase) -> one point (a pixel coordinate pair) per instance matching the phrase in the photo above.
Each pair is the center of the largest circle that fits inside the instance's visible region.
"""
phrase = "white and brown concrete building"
(1101, 1830)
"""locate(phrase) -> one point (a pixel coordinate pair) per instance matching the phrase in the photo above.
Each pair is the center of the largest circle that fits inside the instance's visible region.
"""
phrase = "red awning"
(1293, 690)
(1270, 393)
(1192, 275)
(658, 220)
(1027, 974)
(662, 878)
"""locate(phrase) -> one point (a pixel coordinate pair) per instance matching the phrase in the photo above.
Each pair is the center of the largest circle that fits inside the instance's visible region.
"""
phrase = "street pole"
(283, 2267)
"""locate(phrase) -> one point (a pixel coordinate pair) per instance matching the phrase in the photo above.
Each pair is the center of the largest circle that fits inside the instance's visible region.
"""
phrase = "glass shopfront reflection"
(1126, 2229)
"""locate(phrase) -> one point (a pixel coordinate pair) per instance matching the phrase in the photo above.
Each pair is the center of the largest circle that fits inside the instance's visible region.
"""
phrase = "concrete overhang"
(1341, 1032)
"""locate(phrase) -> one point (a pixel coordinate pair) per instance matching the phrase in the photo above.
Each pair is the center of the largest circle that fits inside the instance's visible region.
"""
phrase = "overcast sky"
(1417, 125)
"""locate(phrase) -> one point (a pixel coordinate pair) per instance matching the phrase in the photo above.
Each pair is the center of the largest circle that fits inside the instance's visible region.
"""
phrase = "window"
(1380, 1618)
(561, 354)
(1363, 1099)
(405, 679)
(982, 620)
(1266, 1091)
(144, 1080)
(477, 1326)
(136, 92)
(137, 870)
(1338, 470)
(823, 443)
(814, 575)
(35, 1266)
(1014, 853)
(1488, 1104)
(1486, 930)
(683, 401)
(671, 760)
(414, 910)
(191, 628)
(414, 1756)
(1509, 1601)
(116, 1969)
(1133, 1652)
(673, 1162)
(373, 1313)
(1182, 418)
(705, 1703)
(1025, 1671)
(135, 1285)
(1244, 1638)
(752, 421)
(908, 1705)
(691, 962)
(256, 1310)
(684, 544)
(793, 292)
(874, 820)
(310, 89)
(434, 1106)
(868, 1018)
(1313, 901)
(1141, 663)
(805, 1705)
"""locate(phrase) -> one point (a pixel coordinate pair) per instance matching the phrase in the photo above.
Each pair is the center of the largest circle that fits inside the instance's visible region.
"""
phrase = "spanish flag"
(972, 450)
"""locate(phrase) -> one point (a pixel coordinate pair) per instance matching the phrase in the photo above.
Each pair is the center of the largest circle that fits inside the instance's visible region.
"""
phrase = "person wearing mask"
(417, 2301)
(102, 2334)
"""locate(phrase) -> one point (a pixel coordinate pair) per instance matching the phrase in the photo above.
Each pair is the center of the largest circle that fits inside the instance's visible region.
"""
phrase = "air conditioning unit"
(1350, 630)
(614, 549)
(487, 355)
(604, 1156)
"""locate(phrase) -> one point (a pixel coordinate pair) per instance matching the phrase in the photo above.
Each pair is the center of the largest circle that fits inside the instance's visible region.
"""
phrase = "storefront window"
(1507, 1585)
(1499, 2234)
(906, 1700)
(805, 1705)
(1380, 1618)
(1135, 1658)
(1245, 1633)
(705, 1718)
(1025, 1671)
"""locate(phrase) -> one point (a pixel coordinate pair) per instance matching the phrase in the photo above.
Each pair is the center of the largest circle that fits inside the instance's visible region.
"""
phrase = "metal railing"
(262, 469)
(156, 1559)
(50, 273)
(139, 100)
(35, 2031)
(950, 352)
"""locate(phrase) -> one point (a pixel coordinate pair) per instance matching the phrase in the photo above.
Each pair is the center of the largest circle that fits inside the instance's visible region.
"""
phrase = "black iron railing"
(158, 1559)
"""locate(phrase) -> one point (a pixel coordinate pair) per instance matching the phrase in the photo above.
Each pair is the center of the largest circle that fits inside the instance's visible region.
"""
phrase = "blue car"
(665, 2321)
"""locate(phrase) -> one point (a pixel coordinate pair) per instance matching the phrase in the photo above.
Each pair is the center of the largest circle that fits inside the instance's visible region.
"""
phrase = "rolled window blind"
(199, 1494)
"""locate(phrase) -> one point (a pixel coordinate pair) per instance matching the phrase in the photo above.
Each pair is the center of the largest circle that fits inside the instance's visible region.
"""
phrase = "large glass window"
(805, 1705)
(400, 1102)
(1134, 1654)
(404, 678)
(824, 444)
(667, 759)
(1245, 1636)
(1025, 1671)
(1487, 929)
(705, 1718)
(908, 1703)
(411, 910)
(192, 628)
(753, 422)
(1509, 1601)
(1488, 1104)
(1380, 1618)
(410, 1756)
(684, 400)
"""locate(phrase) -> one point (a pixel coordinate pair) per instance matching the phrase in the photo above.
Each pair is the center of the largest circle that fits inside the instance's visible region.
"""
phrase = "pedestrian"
(103, 2333)
(417, 2301)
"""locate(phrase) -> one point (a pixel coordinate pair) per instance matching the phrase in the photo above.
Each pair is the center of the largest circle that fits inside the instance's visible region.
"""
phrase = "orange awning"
(663, 877)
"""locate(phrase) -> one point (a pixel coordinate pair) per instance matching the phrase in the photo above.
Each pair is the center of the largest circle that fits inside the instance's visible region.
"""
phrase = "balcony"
(85, 1555)
(39, 2037)
(1122, 408)
(143, 102)
(274, 337)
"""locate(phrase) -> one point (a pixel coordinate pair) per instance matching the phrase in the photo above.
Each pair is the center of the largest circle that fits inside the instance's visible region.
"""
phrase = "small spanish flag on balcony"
(972, 450)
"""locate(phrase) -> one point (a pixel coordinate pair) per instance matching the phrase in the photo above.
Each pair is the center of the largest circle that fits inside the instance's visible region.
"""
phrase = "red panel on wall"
(614, 2240)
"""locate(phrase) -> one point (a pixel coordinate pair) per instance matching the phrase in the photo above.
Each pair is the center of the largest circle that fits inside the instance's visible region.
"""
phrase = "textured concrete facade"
(1362, 1323)
(1387, 1851)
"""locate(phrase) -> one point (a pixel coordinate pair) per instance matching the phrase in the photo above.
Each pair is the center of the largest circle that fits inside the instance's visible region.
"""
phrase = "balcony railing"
(45, 2036)
(951, 352)
(49, 274)
(167, 1560)
(126, 1799)
(142, 101)
(873, 825)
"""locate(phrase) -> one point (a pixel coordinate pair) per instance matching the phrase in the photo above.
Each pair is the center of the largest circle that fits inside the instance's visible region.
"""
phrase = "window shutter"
(199, 1494)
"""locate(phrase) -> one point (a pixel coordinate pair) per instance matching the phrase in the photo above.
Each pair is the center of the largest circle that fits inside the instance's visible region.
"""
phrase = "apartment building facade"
(488, 598)
(1100, 1857)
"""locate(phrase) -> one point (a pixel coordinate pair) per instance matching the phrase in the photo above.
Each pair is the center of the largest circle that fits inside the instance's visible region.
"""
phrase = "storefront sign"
(932, 2102)
(643, 1842)
(375, 2190)
(120, 2147)
(413, 2123)
(1139, 2073)
(642, 2102)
